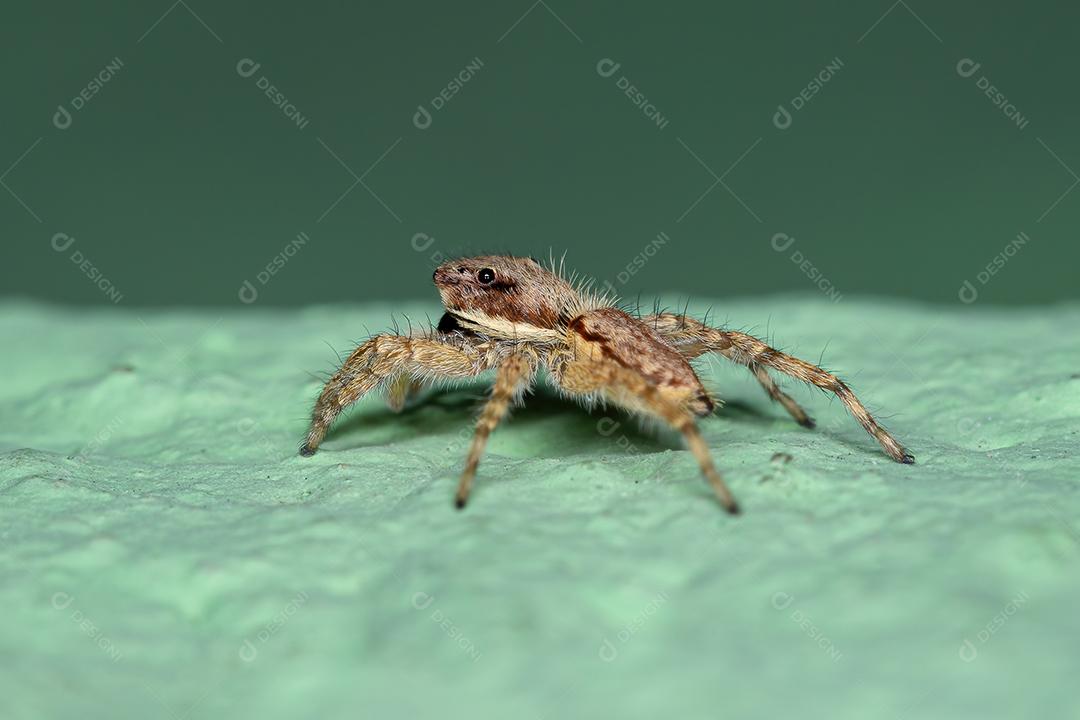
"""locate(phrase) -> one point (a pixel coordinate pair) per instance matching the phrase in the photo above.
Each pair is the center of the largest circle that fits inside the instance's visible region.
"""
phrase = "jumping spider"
(513, 315)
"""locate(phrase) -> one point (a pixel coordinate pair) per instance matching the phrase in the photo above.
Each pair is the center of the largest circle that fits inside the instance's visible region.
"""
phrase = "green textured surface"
(156, 519)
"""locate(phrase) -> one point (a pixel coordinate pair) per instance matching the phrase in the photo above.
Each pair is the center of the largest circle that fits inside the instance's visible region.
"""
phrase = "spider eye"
(486, 276)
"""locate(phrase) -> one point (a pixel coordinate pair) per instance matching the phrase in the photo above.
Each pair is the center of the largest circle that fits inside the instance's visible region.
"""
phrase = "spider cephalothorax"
(513, 315)
(505, 295)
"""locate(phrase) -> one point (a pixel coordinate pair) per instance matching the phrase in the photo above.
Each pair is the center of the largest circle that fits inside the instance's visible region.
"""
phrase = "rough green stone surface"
(165, 553)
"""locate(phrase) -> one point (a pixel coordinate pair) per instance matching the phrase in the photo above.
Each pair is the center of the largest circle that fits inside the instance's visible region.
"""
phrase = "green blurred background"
(179, 179)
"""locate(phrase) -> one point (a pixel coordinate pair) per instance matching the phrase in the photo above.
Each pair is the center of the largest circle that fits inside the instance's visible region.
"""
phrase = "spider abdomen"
(609, 334)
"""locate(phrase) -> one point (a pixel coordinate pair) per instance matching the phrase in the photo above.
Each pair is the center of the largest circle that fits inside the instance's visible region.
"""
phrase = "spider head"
(500, 294)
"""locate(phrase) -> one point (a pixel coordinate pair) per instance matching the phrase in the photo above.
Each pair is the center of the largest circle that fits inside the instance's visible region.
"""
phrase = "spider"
(515, 316)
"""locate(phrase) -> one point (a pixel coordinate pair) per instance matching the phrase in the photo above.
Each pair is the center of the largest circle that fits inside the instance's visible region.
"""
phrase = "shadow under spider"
(548, 425)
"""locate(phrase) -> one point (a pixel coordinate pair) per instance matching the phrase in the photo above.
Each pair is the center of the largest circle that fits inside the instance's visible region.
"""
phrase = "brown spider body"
(513, 315)
(615, 336)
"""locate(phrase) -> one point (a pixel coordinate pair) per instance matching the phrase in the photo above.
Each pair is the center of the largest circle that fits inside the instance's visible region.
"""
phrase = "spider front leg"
(633, 391)
(400, 390)
(384, 358)
(511, 380)
(693, 338)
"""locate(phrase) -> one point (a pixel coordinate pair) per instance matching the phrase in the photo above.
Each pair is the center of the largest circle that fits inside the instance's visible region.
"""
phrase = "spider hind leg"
(693, 338)
(633, 391)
